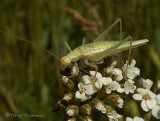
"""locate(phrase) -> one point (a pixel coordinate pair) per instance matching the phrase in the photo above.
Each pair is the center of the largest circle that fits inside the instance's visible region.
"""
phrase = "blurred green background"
(29, 77)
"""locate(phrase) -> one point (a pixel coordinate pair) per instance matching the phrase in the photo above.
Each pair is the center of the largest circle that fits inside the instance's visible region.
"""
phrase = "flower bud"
(75, 71)
(85, 109)
(61, 105)
(113, 115)
(67, 83)
(72, 110)
(115, 100)
(99, 105)
(95, 101)
(109, 108)
(68, 97)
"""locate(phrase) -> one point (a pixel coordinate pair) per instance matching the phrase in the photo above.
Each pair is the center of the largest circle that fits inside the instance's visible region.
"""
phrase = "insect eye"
(66, 71)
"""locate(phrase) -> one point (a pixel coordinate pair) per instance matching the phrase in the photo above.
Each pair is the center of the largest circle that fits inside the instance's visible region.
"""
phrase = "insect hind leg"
(130, 49)
(107, 52)
(103, 35)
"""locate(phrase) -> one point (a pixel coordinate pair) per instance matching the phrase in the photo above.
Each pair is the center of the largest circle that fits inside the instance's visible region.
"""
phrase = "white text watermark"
(24, 115)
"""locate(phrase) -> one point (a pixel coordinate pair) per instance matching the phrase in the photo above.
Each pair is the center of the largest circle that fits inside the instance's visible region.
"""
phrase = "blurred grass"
(29, 77)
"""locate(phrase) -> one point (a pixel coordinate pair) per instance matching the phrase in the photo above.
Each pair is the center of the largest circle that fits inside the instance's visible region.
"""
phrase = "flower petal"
(86, 79)
(144, 106)
(151, 103)
(146, 83)
(114, 85)
(137, 97)
(89, 89)
(106, 80)
(138, 119)
(129, 119)
(97, 74)
(120, 89)
(156, 112)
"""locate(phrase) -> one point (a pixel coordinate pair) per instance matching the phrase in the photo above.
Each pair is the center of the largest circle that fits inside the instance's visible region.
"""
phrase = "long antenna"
(34, 44)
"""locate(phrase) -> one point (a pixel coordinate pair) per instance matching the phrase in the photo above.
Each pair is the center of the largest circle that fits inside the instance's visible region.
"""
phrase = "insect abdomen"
(92, 49)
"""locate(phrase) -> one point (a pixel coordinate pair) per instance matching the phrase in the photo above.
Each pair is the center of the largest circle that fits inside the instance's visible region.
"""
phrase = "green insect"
(95, 51)
(99, 49)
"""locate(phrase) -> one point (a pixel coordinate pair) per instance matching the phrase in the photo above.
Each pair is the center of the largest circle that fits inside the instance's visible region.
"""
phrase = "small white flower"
(146, 83)
(84, 92)
(113, 116)
(120, 103)
(111, 87)
(134, 119)
(99, 106)
(82, 96)
(118, 74)
(146, 97)
(132, 71)
(87, 84)
(98, 79)
(128, 87)
(115, 71)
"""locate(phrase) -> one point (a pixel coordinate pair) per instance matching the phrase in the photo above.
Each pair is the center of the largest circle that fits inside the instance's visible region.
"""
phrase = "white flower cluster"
(149, 100)
(112, 83)
(90, 85)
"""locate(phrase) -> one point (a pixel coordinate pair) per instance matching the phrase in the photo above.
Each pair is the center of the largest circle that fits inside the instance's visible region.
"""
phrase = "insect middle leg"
(130, 49)
(92, 65)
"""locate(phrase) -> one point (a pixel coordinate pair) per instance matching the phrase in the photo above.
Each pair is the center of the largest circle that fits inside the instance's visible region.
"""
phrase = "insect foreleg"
(84, 41)
(103, 35)
(91, 65)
